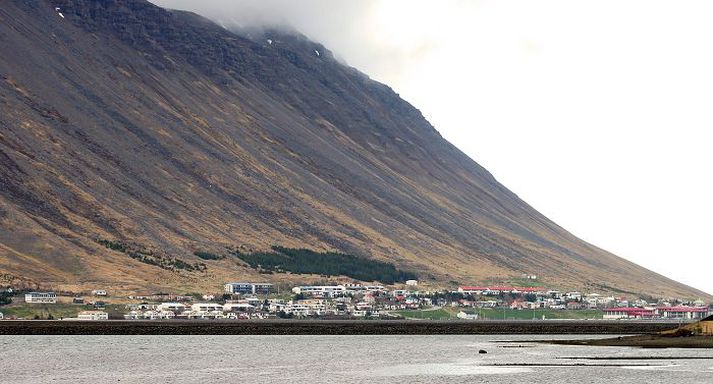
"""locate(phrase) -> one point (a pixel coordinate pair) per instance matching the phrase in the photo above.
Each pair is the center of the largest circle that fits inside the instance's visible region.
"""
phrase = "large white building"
(41, 298)
(684, 312)
(149, 315)
(171, 307)
(320, 290)
(206, 307)
(249, 288)
(93, 315)
(238, 307)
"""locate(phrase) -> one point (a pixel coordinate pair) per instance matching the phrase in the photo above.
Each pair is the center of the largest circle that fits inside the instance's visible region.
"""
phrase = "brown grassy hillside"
(158, 129)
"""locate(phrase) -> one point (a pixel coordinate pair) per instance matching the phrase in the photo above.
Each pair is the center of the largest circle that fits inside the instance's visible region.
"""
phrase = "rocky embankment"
(341, 327)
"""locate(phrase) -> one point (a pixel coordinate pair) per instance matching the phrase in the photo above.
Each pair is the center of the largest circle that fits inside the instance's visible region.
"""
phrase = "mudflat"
(644, 341)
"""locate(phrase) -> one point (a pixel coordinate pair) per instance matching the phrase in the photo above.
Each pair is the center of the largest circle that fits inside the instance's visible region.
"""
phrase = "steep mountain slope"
(126, 122)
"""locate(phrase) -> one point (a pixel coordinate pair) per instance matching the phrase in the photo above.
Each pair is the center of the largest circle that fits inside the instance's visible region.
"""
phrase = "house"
(141, 307)
(466, 316)
(205, 315)
(133, 315)
(41, 298)
(205, 311)
(574, 296)
(699, 303)
(412, 283)
(365, 313)
(158, 315)
(238, 307)
(298, 310)
(99, 292)
(93, 315)
(78, 300)
(473, 290)
(1, 316)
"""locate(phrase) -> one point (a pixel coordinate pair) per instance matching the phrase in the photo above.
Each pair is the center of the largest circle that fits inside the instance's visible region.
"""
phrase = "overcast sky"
(597, 113)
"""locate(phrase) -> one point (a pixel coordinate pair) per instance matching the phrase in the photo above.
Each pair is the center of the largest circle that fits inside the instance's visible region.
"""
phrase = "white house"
(158, 315)
(364, 313)
(41, 298)
(133, 315)
(412, 283)
(93, 315)
(205, 315)
(172, 307)
(299, 310)
(99, 292)
(275, 305)
(466, 316)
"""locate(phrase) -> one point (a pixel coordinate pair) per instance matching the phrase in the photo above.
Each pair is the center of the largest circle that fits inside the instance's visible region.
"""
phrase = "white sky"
(597, 113)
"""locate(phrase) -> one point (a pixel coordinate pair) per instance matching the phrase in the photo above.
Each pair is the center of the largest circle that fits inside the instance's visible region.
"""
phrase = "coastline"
(328, 327)
(643, 341)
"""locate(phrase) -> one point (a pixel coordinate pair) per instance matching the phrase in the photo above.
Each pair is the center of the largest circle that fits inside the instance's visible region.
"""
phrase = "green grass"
(526, 314)
(43, 311)
(56, 311)
(438, 314)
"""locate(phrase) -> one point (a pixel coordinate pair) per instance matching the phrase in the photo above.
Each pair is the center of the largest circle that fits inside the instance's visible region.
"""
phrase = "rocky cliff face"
(158, 129)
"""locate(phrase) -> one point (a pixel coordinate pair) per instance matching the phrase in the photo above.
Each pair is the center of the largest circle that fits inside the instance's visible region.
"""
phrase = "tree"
(5, 298)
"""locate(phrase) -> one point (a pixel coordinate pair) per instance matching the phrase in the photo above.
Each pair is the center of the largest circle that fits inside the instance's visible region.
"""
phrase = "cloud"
(362, 33)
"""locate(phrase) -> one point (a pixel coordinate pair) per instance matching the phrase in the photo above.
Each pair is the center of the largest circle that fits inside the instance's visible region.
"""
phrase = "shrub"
(207, 255)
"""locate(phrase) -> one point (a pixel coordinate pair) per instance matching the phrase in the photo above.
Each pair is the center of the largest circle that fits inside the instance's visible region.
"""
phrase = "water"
(335, 359)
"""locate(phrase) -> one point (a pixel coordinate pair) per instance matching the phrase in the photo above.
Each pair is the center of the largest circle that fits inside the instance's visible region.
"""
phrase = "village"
(258, 300)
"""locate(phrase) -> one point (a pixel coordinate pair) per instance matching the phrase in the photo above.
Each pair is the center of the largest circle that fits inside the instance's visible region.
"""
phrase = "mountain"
(132, 137)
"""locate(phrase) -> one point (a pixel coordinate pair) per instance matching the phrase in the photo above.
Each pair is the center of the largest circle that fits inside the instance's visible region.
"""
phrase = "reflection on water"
(338, 359)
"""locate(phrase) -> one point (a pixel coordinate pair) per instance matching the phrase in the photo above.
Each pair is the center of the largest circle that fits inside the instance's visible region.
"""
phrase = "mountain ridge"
(157, 127)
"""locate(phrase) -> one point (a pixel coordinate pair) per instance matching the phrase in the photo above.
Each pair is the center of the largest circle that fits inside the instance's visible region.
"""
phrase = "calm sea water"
(336, 359)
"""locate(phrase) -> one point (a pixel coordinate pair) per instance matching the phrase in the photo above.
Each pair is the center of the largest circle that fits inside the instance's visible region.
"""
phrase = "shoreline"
(642, 341)
(327, 327)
